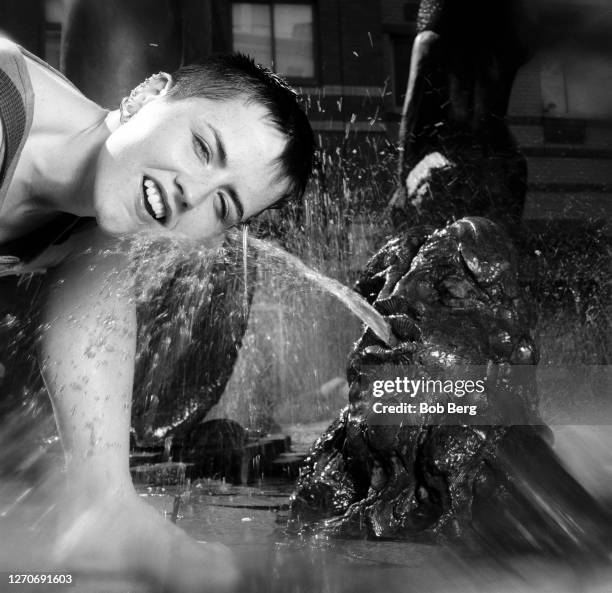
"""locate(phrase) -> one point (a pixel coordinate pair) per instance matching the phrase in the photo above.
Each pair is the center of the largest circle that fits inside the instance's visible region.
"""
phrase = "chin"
(113, 226)
(109, 219)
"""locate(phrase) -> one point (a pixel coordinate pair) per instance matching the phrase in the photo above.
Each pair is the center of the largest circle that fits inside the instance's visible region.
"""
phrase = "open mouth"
(154, 202)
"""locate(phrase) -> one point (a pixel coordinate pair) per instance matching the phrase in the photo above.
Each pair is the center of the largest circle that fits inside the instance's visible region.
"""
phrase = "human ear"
(150, 89)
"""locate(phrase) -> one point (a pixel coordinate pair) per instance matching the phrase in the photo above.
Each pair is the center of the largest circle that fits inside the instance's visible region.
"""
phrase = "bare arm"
(88, 353)
(87, 356)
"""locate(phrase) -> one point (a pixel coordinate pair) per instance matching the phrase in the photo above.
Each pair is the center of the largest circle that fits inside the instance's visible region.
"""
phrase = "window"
(54, 16)
(278, 35)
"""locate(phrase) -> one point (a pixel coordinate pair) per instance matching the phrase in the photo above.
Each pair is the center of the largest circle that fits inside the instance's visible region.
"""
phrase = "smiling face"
(189, 167)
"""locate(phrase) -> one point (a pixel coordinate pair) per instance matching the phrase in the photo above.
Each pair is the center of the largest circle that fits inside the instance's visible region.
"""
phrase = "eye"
(201, 149)
(222, 207)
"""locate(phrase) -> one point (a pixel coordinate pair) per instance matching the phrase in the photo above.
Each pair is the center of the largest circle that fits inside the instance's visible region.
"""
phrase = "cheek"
(112, 181)
(113, 196)
(120, 155)
(201, 224)
(133, 140)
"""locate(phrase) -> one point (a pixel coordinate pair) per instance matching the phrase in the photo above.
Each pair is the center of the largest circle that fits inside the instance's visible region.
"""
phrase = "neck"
(65, 162)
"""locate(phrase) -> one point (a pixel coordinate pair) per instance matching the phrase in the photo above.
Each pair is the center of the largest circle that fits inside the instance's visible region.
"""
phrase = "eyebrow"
(220, 148)
(219, 145)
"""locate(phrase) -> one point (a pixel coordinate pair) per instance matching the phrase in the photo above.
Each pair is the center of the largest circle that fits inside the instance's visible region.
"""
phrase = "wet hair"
(227, 77)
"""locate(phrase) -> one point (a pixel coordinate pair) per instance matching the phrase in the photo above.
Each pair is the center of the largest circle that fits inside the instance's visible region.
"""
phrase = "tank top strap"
(16, 108)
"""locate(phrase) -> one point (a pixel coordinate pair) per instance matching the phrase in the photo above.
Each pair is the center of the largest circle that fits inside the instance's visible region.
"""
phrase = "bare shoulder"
(47, 87)
(52, 89)
(95, 265)
(14, 72)
(88, 300)
(9, 49)
(44, 76)
(90, 244)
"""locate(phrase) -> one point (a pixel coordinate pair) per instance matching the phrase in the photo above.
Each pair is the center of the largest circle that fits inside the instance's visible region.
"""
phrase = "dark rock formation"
(454, 303)
(457, 154)
(215, 447)
(190, 333)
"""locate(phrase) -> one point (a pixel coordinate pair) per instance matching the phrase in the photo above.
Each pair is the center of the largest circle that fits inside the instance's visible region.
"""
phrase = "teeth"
(154, 198)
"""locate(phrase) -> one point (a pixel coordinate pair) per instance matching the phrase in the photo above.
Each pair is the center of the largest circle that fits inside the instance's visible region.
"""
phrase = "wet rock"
(492, 482)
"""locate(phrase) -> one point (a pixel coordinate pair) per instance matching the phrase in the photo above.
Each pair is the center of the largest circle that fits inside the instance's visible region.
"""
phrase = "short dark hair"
(237, 75)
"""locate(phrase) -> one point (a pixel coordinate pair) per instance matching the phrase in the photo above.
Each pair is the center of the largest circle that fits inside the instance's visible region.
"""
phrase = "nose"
(192, 192)
(195, 205)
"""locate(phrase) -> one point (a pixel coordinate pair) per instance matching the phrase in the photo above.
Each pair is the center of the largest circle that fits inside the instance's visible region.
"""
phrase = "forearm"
(87, 360)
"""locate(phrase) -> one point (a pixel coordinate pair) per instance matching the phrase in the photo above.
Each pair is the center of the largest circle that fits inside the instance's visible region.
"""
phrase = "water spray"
(245, 245)
(346, 295)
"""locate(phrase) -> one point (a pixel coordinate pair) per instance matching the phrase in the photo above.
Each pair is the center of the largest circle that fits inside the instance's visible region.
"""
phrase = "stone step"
(269, 455)
(168, 473)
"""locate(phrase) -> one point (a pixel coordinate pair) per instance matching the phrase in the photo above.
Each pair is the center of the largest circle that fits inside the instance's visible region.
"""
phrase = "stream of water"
(347, 296)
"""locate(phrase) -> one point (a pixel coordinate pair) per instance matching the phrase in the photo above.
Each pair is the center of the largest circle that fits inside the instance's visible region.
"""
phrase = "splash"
(245, 268)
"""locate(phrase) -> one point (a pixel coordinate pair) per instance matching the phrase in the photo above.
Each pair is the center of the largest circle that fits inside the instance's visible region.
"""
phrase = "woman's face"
(188, 167)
